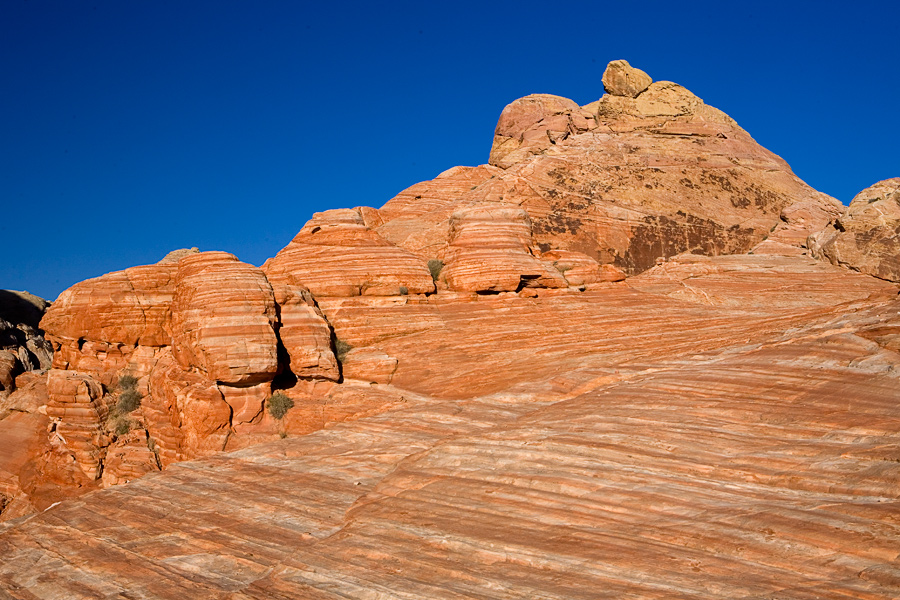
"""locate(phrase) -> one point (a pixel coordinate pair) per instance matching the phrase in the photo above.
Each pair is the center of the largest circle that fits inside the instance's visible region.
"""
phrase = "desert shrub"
(278, 404)
(435, 265)
(123, 426)
(404, 290)
(129, 400)
(127, 382)
(341, 348)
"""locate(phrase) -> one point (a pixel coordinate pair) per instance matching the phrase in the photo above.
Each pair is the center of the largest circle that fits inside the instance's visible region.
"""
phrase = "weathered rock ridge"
(866, 237)
(624, 358)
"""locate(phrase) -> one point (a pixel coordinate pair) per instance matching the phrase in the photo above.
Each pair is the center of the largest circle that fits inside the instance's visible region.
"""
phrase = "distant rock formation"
(22, 345)
(866, 238)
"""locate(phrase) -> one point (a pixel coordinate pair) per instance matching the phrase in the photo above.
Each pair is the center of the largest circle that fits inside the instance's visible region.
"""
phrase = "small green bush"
(278, 404)
(127, 382)
(404, 290)
(129, 400)
(435, 265)
(341, 348)
(123, 426)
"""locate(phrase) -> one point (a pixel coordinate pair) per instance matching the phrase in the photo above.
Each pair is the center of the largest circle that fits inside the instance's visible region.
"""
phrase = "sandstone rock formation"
(624, 180)
(337, 253)
(602, 364)
(616, 441)
(866, 237)
(491, 251)
(201, 334)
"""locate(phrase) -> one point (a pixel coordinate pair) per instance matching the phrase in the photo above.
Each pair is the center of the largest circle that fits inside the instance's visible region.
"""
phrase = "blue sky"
(128, 129)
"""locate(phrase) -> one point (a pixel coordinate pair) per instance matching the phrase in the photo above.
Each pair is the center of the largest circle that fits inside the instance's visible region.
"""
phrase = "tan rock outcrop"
(621, 79)
(491, 251)
(866, 237)
(225, 332)
(337, 254)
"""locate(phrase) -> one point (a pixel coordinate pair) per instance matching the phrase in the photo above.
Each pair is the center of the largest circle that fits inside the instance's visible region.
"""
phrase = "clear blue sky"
(130, 128)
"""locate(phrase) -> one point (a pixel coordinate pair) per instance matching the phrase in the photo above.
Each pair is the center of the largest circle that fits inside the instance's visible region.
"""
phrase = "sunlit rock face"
(491, 250)
(199, 336)
(717, 427)
(337, 253)
(606, 363)
(866, 237)
(647, 171)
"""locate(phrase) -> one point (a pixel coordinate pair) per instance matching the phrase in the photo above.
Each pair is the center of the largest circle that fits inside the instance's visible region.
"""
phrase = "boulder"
(621, 79)
(533, 124)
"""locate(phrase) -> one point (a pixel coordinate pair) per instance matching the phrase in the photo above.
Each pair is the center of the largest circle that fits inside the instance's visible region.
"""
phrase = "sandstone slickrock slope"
(606, 364)
(671, 449)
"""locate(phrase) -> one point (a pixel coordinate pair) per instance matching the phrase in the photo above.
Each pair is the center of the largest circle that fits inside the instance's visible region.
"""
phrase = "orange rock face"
(226, 332)
(867, 236)
(491, 251)
(338, 254)
(479, 403)
(636, 179)
(625, 440)
(305, 334)
(202, 337)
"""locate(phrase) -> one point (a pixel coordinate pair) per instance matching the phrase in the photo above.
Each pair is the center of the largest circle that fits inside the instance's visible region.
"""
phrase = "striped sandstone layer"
(338, 254)
(619, 442)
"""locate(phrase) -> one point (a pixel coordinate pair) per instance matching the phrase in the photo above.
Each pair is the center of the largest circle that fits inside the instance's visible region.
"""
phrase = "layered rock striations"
(491, 250)
(337, 253)
(197, 336)
(605, 363)
(866, 237)
(619, 441)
